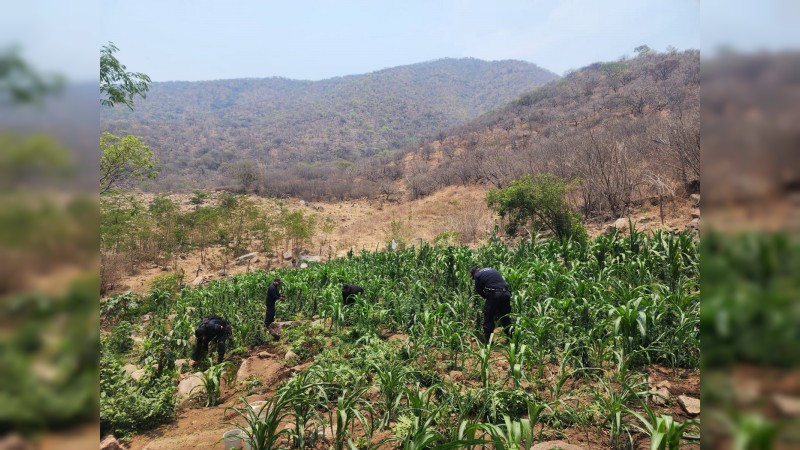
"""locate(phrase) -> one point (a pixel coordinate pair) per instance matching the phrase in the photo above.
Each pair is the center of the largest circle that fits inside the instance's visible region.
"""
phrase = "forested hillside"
(625, 131)
(200, 129)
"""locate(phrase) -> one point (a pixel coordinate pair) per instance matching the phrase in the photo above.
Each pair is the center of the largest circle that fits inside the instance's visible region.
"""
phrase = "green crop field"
(403, 368)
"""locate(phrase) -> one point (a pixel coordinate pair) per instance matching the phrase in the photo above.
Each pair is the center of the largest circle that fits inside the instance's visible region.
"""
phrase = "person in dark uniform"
(273, 295)
(349, 293)
(212, 328)
(490, 285)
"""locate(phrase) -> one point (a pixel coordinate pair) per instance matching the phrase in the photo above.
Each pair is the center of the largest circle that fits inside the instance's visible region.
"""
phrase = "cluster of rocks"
(660, 395)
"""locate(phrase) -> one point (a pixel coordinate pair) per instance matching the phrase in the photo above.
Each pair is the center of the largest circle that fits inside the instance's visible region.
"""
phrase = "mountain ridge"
(197, 128)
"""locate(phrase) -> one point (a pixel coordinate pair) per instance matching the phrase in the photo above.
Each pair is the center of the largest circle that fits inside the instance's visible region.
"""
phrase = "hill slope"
(195, 128)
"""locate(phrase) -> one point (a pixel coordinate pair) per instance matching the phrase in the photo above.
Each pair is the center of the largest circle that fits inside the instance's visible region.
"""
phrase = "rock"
(290, 355)
(16, 442)
(620, 225)
(146, 317)
(659, 396)
(300, 367)
(245, 258)
(276, 328)
(318, 323)
(693, 225)
(130, 368)
(788, 406)
(182, 257)
(311, 258)
(695, 198)
(265, 355)
(456, 376)
(287, 256)
(690, 405)
(181, 362)
(747, 391)
(223, 272)
(136, 376)
(550, 445)
(164, 269)
(659, 392)
(110, 443)
(266, 370)
(189, 386)
(172, 317)
(303, 266)
(199, 281)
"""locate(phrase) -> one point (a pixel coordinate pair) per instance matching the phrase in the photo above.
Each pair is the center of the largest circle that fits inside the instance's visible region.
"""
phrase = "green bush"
(540, 202)
(169, 282)
(120, 340)
(131, 408)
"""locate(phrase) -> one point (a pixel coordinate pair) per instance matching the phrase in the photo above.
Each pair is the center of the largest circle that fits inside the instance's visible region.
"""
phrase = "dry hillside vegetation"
(207, 133)
(452, 215)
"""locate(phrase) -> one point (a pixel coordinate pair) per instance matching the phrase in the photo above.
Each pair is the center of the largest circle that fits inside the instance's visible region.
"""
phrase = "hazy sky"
(200, 39)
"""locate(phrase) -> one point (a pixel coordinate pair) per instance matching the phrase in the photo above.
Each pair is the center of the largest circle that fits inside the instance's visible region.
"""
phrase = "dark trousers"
(270, 316)
(204, 337)
(497, 306)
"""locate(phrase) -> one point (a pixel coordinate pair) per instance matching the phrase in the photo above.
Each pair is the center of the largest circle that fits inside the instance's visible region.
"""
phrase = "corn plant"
(348, 411)
(516, 355)
(212, 382)
(484, 357)
(391, 381)
(512, 434)
(665, 433)
(261, 424)
(307, 397)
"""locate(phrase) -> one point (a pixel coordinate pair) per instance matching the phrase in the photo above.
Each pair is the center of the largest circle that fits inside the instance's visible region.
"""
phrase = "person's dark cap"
(473, 271)
(277, 280)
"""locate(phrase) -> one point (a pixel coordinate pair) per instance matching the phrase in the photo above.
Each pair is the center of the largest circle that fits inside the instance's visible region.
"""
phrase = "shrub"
(540, 202)
(131, 408)
(121, 341)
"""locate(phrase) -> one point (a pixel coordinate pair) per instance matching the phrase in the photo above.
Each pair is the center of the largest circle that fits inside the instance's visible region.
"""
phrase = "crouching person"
(349, 293)
(212, 328)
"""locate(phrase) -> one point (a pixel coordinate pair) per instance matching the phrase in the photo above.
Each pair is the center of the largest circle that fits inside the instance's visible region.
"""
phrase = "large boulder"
(190, 386)
(690, 405)
(244, 259)
(110, 443)
(551, 445)
(266, 370)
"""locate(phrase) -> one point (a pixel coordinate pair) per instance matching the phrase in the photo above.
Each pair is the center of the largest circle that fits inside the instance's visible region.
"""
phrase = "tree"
(116, 84)
(124, 159)
(298, 228)
(539, 201)
(642, 50)
(245, 172)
